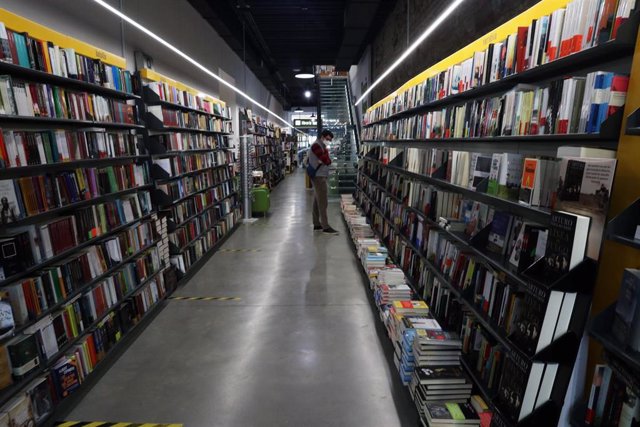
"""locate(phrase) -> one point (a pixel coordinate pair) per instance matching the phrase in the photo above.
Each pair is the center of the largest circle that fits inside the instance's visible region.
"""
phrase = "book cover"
(65, 376)
(584, 188)
(626, 324)
(23, 353)
(9, 205)
(41, 400)
(499, 234)
(441, 375)
(566, 242)
(527, 323)
(511, 389)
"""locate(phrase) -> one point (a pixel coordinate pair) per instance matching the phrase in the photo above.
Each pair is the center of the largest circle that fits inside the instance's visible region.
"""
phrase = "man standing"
(319, 160)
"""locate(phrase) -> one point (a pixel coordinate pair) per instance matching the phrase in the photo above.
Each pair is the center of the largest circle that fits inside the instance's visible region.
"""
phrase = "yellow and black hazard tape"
(206, 298)
(239, 250)
(110, 424)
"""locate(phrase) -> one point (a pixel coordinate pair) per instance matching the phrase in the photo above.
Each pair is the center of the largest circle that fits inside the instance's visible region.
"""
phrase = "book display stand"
(85, 274)
(192, 168)
(387, 189)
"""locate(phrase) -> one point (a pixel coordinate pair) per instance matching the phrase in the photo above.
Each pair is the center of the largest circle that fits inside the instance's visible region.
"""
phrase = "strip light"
(444, 15)
(190, 59)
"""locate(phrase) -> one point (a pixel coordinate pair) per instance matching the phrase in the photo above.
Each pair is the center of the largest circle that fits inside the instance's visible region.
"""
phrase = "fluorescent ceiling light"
(307, 94)
(298, 110)
(304, 76)
(444, 15)
(189, 59)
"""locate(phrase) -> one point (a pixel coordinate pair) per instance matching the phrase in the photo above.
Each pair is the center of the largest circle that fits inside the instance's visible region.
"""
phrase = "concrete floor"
(303, 346)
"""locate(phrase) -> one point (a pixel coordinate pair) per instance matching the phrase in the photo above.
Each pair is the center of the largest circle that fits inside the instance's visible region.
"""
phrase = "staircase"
(338, 116)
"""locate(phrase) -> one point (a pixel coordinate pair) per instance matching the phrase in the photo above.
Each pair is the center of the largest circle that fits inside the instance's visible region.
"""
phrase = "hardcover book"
(585, 189)
(566, 242)
(626, 323)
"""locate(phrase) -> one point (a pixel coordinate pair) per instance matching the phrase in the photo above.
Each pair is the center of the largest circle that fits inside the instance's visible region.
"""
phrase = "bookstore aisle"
(301, 346)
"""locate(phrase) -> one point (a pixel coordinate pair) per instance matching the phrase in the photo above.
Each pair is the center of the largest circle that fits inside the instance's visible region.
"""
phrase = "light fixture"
(189, 59)
(298, 110)
(304, 76)
(307, 94)
(313, 115)
(439, 20)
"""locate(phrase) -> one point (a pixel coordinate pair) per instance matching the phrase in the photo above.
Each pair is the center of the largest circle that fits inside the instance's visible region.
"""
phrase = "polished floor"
(302, 347)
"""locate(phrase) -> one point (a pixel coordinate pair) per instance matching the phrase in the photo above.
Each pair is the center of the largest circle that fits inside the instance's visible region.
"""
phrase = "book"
(23, 353)
(41, 400)
(65, 376)
(566, 242)
(451, 414)
(585, 189)
(626, 322)
(19, 411)
(441, 375)
(499, 234)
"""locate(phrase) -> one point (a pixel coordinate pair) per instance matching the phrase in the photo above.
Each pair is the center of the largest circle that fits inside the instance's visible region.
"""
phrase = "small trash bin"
(260, 201)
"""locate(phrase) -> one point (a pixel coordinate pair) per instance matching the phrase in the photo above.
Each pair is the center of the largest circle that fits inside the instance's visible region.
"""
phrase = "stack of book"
(436, 348)
(437, 385)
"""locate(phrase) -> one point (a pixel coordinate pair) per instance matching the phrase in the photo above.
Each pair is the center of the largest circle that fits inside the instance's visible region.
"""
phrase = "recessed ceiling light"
(304, 76)
(297, 70)
(307, 94)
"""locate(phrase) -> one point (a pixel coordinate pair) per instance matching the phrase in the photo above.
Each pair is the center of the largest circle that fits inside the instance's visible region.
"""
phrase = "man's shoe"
(317, 228)
(330, 231)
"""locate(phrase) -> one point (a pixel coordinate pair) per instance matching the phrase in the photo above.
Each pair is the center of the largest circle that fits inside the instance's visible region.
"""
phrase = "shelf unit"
(392, 218)
(126, 309)
(265, 146)
(194, 164)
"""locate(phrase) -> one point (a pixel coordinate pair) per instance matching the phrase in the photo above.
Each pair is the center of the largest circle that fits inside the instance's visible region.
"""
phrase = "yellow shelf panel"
(148, 74)
(19, 24)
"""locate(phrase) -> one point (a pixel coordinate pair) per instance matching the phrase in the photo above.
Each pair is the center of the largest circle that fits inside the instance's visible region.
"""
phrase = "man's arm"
(322, 155)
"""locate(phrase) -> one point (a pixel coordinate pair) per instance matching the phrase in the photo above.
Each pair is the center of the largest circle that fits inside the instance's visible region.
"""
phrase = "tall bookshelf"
(81, 270)
(265, 150)
(187, 135)
(386, 183)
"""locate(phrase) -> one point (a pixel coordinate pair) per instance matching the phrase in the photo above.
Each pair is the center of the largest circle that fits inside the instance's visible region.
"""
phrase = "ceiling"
(286, 35)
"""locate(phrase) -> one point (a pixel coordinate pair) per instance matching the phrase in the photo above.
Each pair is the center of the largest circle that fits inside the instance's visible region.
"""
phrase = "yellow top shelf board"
(148, 74)
(19, 24)
(542, 8)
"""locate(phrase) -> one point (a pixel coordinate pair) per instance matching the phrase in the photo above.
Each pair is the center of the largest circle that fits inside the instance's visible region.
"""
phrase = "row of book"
(52, 284)
(519, 386)
(36, 402)
(198, 248)
(22, 49)
(29, 99)
(611, 403)
(573, 105)
(201, 202)
(169, 93)
(32, 148)
(28, 196)
(426, 356)
(33, 244)
(189, 185)
(185, 141)
(77, 314)
(178, 165)
(188, 230)
(515, 240)
(189, 120)
(581, 25)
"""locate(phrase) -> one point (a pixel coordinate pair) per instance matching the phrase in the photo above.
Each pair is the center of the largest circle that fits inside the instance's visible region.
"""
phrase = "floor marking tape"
(206, 298)
(110, 424)
(238, 250)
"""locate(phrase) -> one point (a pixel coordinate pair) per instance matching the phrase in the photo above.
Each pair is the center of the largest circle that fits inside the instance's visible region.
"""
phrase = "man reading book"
(319, 161)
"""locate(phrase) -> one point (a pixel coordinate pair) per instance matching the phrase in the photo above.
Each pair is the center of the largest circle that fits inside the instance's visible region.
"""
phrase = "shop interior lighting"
(307, 94)
(304, 76)
(189, 59)
(435, 24)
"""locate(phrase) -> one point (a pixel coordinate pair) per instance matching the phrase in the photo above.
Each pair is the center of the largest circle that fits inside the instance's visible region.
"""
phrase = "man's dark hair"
(325, 133)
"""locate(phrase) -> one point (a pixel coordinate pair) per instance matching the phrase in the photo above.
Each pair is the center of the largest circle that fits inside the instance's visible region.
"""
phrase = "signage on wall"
(305, 122)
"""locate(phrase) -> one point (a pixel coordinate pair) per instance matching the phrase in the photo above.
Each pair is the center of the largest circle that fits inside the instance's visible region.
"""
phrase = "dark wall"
(471, 20)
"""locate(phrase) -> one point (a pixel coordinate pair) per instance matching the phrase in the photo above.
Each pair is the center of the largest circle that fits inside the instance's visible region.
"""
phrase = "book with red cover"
(521, 49)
